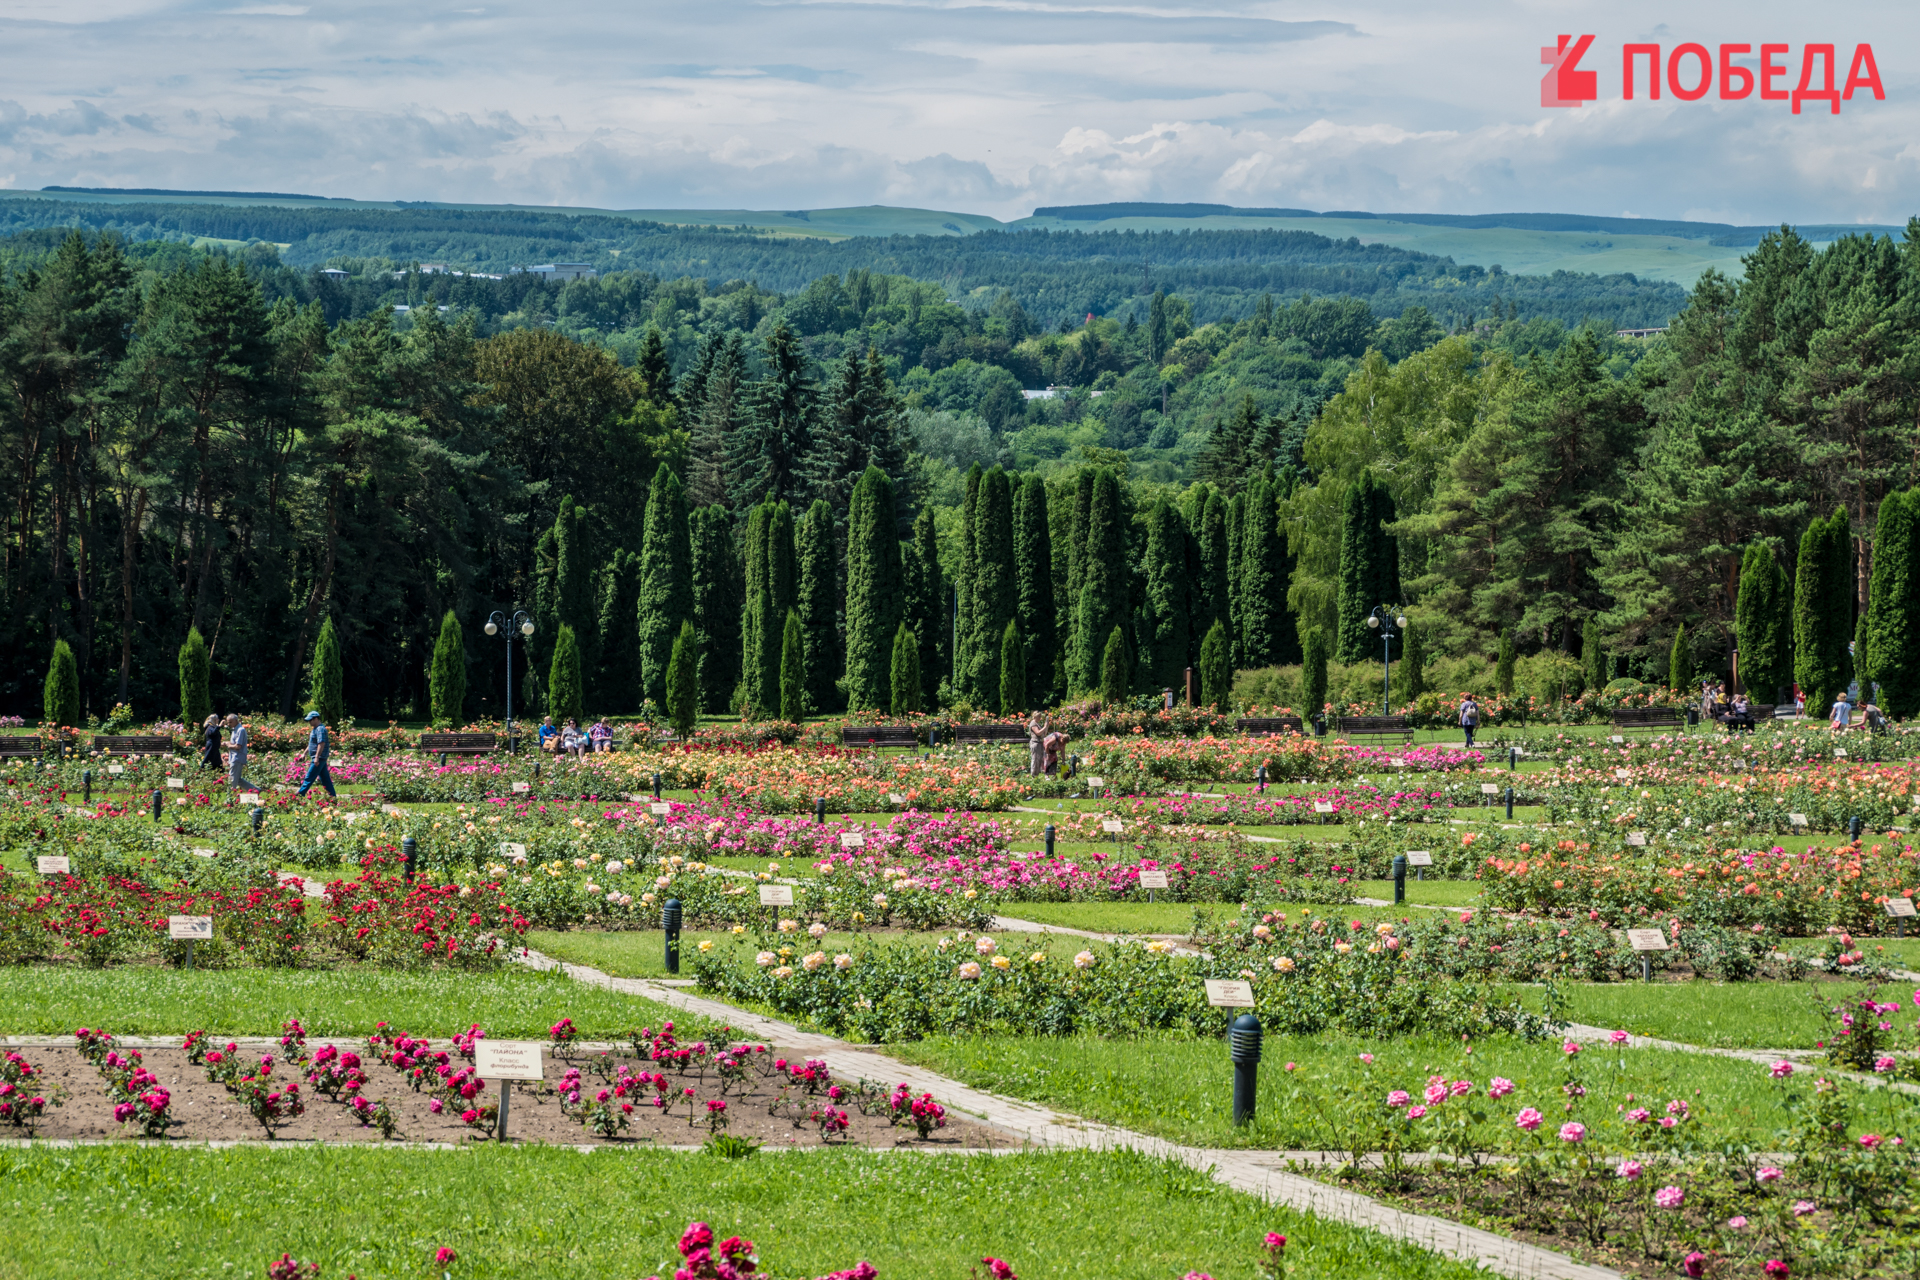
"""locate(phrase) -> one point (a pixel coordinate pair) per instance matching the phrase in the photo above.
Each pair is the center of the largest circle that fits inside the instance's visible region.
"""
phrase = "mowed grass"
(513, 1003)
(206, 1215)
(1182, 1089)
(1740, 1015)
(642, 953)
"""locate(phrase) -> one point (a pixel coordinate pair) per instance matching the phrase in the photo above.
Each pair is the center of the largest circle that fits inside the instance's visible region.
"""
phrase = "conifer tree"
(719, 603)
(1216, 668)
(447, 678)
(1209, 524)
(1411, 667)
(962, 671)
(1263, 584)
(1078, 515)
(769, 453)
(1823, 611)
(1102, 605)
(1762, 621)
(1168, 589)
(666, 582)
(717, 417)
(1503, 666)
(770, 573)
(1313, 676)
(683, 682)
(1013, 671)
(793, 669)
(566, 698)
(326, 681)
(904, 675)
(655, 367)
(1891, 654)
(60, 703)
(1236, 545)
(1369, 564)
(1033, 569)
(1593, 656)
(574, 603)
(196, 678)
(1115, 670)
(996, 588)
(817, 599)
(926, 602)
(616, 685)
(1680, 662)
(875, 596)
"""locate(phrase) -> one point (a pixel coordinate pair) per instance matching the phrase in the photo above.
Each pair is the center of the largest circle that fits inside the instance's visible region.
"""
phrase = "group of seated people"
(571, 740)
(1739, 714)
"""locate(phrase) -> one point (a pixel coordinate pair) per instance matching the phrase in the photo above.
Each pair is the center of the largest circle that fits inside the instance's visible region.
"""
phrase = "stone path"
(1260, 1173)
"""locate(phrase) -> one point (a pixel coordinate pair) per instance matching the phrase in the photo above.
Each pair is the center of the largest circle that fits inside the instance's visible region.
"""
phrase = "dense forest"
(225, 443)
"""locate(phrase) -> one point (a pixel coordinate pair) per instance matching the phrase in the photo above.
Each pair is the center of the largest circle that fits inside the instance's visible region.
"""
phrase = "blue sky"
(988, 106)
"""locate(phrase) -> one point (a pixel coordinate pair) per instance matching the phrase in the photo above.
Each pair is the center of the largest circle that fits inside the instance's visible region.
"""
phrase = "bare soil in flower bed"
(202, 1111)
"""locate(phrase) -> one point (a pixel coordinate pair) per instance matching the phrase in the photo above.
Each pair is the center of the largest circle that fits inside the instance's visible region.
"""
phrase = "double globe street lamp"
(522, 623)
(1389, 623)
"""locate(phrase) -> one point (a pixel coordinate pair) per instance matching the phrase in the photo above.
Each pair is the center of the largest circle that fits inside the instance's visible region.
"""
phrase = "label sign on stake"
(776, 895)
(206, 853)
(48, 865)
(1839, 754)
(190, 928)
(1113, 825)
(853, 840)
(1419, 857)
(510, 849)
(1224, 993)
(1153, 879)
(523, 786)
(1638, 839)
(1323, 806)
(660, 807)
(1616, 738)
(1623, 774)
(1489, 788)
(507, 1059)
(1895, 906)
(1096, 782)
(1796, 819)
(1647, 939)
(176, 784)
(894, 797)
(116, 768)
(1396, 762)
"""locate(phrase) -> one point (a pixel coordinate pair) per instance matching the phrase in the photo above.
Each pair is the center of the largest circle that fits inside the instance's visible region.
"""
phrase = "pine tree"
(1369, 564)
(905, 672)
(683, 681)
(1503, 666)
(962, 670)
(1033, 571)
(1013, 671)
(996, 588)
(769, 452)
(926, 602)
(1593, 655)
(1216, 668)
(1115, 670)
(666, 582)
(1823, 611)
(1168, 591)
(447, 678)
(716, 419)
(719, 603)
(793, 669)
(1891, 654)
(616, 685)
(655, 367)
(566, 698)
(196, 677)
(326, 681)
(1680, 662)
(875, 602)
(1313, 676)
(60, 706)
(1102, 605)
(817, 599)
(1763, 621)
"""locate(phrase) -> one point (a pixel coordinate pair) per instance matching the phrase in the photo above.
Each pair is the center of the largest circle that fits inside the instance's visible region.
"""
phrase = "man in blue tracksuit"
(319, 746)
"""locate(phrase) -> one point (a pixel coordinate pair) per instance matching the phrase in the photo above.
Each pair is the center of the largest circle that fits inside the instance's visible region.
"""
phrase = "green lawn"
(1112, 917)
(1742, 1015)
(1445, 893)
(642, 954)
(1898, 952)
(207, 1215)
(1182, 1089)
(145, 1001)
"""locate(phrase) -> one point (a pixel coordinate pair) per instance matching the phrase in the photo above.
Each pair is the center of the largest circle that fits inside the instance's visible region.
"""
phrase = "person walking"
(1469, 718)
(1842, 714)
(1038, 726)
(237, 755)
(210, 745)
(317, 751)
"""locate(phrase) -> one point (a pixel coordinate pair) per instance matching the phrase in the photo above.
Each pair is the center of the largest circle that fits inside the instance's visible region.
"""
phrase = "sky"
(979, 106)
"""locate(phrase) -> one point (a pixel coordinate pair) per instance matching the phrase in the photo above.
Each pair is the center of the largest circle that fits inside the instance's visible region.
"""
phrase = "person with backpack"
(1469, 718)
(319, 747)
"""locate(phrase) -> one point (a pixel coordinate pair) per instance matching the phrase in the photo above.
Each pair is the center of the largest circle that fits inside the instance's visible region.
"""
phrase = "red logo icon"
(1565, 85)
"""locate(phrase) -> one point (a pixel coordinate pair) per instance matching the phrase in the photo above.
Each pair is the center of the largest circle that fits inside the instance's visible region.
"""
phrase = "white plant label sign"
(512, 849)
(190, 928)
(1638, 839)
(1225, 993)
(776, 895)
(48, 865)
(660, 807)
(1153, 879)
(1900, 906)
(523, 786)
(1796, 819)
(1647, 940)
(508, 1059)
(1419, 857)
(853, 840)
(176, 784)
(1096, 782)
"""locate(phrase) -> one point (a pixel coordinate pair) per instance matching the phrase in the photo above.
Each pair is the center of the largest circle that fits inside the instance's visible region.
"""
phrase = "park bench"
(1757, 712)
(459, 744)
(1648, 718)
(1374, 727)
(964, 734)
(21, 744)
(133, 744)
(1269, 726)
(878, 735)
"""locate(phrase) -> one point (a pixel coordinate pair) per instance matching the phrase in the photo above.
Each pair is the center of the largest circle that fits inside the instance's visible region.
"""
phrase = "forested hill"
(1054, 275)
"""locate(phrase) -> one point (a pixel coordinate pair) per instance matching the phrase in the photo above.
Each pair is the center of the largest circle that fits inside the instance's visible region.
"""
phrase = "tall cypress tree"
(1313, 676)
(904, 675)
(719, 606)
(1116, 669)
(962, 675)
(1216, 668)
(666, 582)
(615, 686)
(1236, 546)
(1680, 662)
(1167, 596)
(1503, 665)
(1369, 565)
(793, 669)
(1823, 611)
(926, 600)
(783, 574)
(1411, 667)
(1033, 570)
(447, 678)
(196, 678)
(1593, 654)
(1892, 650)
(566, 698)
(574, 603)
(996, 588)
(326, 681)
(683, 681)
(60, 699)
(1102, 609)
(1210, 539)
(1763, 623)
(1263, 585)
(875, 599)
(1013, 671)
(817, 597)
(1079, 516)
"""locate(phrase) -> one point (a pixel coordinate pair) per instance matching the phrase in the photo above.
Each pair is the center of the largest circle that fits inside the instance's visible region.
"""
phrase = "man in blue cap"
(319, 746)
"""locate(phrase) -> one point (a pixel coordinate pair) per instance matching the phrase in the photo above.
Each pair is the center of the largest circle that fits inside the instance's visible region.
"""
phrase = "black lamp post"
(1387, 624)
(524, 625)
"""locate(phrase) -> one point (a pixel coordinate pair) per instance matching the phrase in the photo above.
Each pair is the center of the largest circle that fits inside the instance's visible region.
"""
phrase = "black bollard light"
(1399, 879)
(259, 816)
(670, 922)
(1049, 839)
(409, 853)
(1513, 758)
(820, 809)
(443, 759)
(656, 786)
(156, 806)
(1853, 828)
(536, 771)
(86, 781)
(1261, 776)
(1509, 802)
(1243, 1046)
